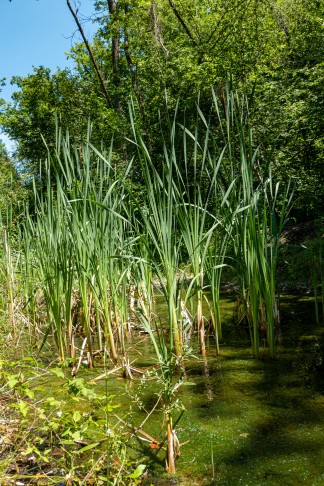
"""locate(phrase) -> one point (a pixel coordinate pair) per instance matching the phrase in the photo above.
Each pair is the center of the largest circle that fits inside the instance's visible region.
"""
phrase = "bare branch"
(115, 48)
(132, 70)
(182, 22)
(94, 62)
(157, 28)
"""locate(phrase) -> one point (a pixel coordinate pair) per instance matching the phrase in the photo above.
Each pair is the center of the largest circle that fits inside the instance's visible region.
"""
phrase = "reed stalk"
(257, 233)
(156, 215)
(10, 282)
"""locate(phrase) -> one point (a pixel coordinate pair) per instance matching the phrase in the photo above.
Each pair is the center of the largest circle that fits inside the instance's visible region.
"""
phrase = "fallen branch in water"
(154, 443)
(128, 368)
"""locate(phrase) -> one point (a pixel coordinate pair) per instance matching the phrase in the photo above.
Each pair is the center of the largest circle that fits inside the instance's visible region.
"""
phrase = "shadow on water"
(247, 421)
(261, 421)
(283, 443)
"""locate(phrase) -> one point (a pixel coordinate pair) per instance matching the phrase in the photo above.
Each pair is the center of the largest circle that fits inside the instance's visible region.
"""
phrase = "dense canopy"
(160, 52)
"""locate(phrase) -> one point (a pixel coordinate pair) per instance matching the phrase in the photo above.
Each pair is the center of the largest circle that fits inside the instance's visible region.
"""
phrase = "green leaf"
(58, 372)
(23, 407)
(12, 381)
(138, 472)
(110, 408)
(27, 451)
(76, 416)
(53, 402)
(76, 435)
(29, 393)
(88, 447)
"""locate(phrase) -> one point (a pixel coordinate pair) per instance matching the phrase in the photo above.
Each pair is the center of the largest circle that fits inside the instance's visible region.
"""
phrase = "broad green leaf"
(23, 407)
(58, 372)
(29, 393)
(76, 416)
(138, 472)
(12, 381)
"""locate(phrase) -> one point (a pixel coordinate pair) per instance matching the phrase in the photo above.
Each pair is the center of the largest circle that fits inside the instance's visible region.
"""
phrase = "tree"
(289, 106)
(148, 49)
(45, 99)
(160, 51)
(12, 192)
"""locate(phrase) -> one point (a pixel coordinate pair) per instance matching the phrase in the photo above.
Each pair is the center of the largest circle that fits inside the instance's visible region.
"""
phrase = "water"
(247, 421)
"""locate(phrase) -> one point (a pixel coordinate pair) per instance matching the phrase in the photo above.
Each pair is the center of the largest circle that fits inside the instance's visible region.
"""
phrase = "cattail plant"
(257, 229)
(156, 214)
(192, 190)
(8, 270)
(51, 245)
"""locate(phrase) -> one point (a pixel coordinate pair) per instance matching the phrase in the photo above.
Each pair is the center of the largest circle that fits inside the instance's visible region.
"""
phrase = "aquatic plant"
(7, 269)
(257, 228)
(155, 214)
(95, 243)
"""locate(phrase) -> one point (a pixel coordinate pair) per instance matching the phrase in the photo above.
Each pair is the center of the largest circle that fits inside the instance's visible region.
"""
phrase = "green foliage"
(70, 434)
(149, 49)
(12, 192)
(288, 109)
(90, 230)
(44, 100)
(302, 265)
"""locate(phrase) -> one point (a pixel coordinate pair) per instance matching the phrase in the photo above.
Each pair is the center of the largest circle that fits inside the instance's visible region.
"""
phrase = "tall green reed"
(51, 246)
(199, 202)
(98, 243)
(8, 273)
(155, 213)
(96, 240)
(257, 228)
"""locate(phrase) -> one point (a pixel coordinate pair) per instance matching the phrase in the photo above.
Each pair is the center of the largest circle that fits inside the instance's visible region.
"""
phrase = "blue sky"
(34, 33)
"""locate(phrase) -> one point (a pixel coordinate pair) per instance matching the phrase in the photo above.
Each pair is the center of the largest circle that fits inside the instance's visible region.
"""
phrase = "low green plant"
(301, 266)
(169, 377)
(315, 256)
(66, 437)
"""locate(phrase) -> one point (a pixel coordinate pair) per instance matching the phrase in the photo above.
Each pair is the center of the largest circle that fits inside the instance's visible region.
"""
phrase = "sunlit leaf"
(138, 472)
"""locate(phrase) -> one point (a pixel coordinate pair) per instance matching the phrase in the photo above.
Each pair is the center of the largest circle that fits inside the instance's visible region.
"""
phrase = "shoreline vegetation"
(162, 251)
(82, 269)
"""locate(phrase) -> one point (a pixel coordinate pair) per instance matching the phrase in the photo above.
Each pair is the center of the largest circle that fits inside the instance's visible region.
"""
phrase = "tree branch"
(94, 62)
(157, 28)
(115, 48)
(236, 6)
(182, 22)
